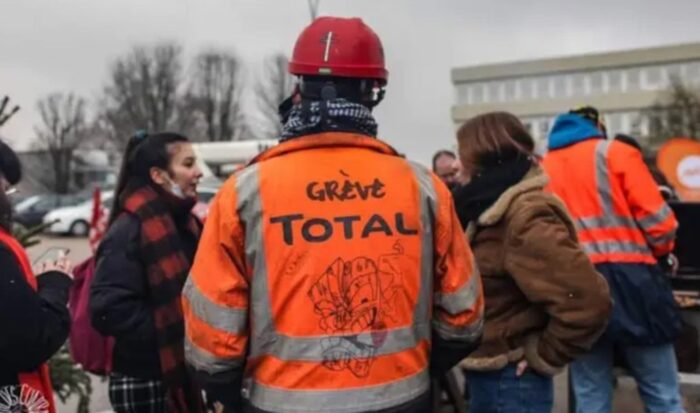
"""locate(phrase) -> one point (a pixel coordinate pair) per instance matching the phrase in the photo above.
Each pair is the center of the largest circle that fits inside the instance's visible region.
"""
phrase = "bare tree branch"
(5, 116)
(215, 96)
(676, 113)
(274, 87)
(143, 92)
(63, 129)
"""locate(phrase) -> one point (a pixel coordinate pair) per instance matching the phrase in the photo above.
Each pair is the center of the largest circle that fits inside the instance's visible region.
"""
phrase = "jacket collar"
(325, 140)
(533, 181)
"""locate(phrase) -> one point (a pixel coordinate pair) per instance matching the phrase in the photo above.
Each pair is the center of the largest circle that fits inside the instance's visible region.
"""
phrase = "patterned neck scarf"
(338, 115)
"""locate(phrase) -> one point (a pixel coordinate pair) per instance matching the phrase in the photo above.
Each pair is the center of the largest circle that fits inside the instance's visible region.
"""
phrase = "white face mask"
(175, 189)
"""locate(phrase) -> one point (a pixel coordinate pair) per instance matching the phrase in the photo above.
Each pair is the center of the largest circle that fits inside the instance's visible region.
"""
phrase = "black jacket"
(119, 298)
(34, 324)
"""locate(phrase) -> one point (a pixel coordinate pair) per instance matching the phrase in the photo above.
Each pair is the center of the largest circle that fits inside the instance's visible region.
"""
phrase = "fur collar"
(533, 181)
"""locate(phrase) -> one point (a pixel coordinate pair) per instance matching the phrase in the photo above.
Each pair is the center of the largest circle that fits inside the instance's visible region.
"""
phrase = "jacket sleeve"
(550, 268)
(118, 294)
(458, 313)
(215, 303)
(652, 214)
(36, 323)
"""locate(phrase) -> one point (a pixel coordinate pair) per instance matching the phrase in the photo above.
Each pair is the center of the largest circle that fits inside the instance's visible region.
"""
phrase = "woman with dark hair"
(545, 303)
(142, 265)
(33, 310)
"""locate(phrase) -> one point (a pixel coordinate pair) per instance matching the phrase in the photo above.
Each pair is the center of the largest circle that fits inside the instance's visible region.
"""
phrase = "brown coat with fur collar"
(544, 300)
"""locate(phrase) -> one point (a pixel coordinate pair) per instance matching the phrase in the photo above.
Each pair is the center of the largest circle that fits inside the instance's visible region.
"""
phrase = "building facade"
(621, 84)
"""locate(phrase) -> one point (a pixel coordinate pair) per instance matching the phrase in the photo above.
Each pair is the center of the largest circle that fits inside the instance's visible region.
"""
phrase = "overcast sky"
(66, 45)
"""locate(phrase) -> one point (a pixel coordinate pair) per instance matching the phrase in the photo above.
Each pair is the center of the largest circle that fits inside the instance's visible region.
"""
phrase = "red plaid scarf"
(167, 269)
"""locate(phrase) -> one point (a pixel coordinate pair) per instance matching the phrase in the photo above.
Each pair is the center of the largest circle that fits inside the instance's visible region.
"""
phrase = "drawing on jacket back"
(355, 299)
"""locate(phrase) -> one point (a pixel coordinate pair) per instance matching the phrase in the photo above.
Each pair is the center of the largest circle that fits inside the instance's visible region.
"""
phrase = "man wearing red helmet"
(332, 275)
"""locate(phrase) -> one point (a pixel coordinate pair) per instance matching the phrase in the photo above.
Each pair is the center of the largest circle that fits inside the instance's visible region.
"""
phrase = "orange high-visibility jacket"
(611, 195)
(323, 266)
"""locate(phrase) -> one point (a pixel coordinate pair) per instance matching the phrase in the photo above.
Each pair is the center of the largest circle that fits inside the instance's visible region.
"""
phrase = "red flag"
(98, 223)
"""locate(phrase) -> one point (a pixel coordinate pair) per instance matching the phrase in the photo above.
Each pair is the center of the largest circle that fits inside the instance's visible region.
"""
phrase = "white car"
(75, 220)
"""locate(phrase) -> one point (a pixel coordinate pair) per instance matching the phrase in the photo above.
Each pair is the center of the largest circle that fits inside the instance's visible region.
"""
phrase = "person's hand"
(520, 369)
(61, 264)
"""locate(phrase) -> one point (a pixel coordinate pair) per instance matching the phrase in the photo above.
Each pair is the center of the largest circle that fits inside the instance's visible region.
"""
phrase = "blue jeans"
(501, 391)
(653, 367)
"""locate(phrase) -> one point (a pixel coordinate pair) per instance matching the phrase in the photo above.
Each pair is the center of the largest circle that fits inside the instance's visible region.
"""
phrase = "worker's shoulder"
(619, 148)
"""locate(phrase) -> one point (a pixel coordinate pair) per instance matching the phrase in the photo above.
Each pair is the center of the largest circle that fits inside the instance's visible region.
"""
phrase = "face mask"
(175, 189)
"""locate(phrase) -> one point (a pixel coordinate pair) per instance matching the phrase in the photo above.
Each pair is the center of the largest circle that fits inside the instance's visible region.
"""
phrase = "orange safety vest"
(35, 386)
(323, 267)
(616, 204)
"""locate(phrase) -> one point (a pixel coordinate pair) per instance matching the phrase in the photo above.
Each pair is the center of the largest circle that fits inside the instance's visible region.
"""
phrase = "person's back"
(328, 270)
(613, 198)
(624, 226)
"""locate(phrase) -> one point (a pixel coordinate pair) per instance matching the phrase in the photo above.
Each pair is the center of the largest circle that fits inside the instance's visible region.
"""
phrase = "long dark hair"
(143, 152)
(11, 171)
(5, 211)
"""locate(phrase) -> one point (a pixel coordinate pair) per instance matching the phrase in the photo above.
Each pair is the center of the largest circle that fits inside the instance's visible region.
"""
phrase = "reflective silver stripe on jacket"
(227, 319)
(656, 218)
(203, 360)
(363, 399)
(609, 219)
(614, 247)
(464, 298)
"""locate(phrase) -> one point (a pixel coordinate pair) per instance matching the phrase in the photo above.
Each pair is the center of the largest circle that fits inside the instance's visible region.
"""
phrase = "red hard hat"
(334, 46)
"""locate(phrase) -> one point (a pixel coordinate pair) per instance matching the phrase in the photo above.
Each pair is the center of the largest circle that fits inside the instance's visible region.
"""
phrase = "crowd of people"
(334, 276)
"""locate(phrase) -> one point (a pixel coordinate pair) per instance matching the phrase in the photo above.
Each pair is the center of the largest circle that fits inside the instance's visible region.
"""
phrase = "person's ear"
(158, 176)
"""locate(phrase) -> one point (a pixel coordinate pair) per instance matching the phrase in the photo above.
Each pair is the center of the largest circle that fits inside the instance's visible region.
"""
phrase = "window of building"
(463, 94)
(477, 93)
(527, 89)
(614, 81)
(674, 72)
(495, 91)
(543, 88)
(692, 72)
(559, 86)
(635, 124)
(614, 123)
(487, 93)
(632, 80)
(643, 126)
(653, 78)
(510, 89)
(578, 85)
(596, 83)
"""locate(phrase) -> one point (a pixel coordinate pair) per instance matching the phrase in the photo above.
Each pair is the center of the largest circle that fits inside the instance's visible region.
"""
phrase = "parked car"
(75, 220)
(31, 211)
